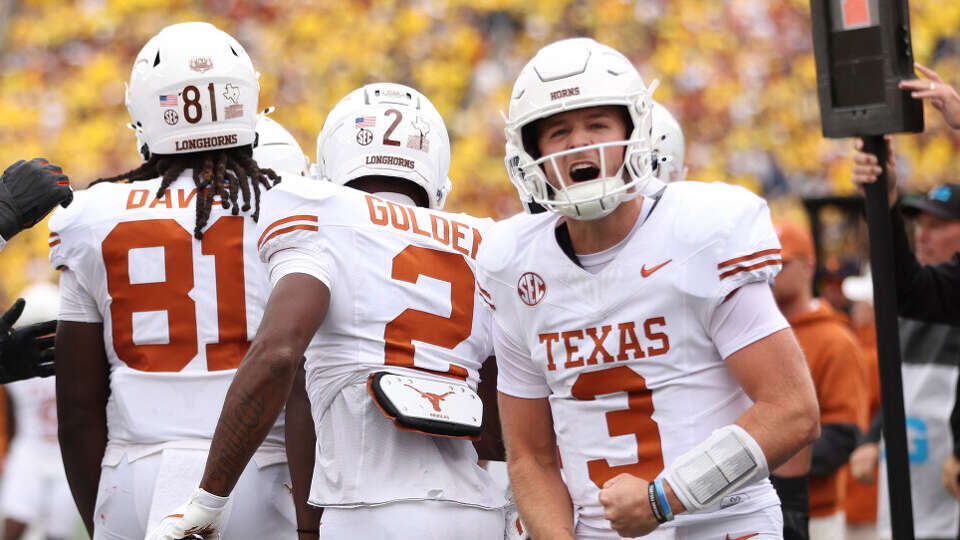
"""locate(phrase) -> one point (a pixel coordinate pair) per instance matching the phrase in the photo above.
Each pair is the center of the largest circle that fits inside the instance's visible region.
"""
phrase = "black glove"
(25, 352)
(29, 190)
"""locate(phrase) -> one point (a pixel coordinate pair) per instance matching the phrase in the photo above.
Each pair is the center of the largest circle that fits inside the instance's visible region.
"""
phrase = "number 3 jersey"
(177, 312)
(628, 356)
(402, 299)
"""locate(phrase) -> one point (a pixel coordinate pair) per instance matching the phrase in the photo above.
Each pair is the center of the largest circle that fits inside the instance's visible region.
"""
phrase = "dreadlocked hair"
(229, 174)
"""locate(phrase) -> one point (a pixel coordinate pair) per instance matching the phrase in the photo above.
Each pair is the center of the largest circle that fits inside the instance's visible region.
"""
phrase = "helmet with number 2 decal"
(193, 88)
(386, 129)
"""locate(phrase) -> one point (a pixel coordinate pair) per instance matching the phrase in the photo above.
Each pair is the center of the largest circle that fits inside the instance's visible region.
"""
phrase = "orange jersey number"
(413, 324)
(636, 420)
(223, 240)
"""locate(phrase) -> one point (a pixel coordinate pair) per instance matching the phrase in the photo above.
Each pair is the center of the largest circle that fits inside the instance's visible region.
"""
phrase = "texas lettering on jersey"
(573, 344)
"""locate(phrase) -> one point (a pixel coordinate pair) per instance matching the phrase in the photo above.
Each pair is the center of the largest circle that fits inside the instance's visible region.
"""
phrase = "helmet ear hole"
(156, 61)
(625, 113)
(529, 135)
(234, 51)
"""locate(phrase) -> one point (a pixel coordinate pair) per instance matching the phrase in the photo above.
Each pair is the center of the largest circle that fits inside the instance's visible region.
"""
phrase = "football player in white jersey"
(161, 290)
(34, 490)
(636, 334)
(376, 289)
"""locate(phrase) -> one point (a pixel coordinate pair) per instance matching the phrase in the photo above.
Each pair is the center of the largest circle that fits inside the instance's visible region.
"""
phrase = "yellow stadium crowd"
(739, 76)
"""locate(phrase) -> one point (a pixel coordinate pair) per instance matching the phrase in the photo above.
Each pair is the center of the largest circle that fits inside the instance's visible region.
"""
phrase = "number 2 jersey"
(628, 356)
(402, 299)
(177, 312)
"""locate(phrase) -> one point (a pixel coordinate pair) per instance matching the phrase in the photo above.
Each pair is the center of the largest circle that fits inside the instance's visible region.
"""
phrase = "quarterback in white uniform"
(161, 292)
(365, 283)
(638, 335)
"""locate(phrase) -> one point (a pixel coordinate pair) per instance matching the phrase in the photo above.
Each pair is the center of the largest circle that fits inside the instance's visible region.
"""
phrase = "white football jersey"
(35, 413)
(403, 299)
(626, 355)
(178, 313)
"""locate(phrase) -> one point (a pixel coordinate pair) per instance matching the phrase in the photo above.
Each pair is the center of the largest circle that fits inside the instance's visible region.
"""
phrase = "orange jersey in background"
(861, 503)
(835, 360)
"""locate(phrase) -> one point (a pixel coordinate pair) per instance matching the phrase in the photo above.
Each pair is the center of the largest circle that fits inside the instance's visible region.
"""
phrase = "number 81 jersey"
(627, 356)
(177, 312)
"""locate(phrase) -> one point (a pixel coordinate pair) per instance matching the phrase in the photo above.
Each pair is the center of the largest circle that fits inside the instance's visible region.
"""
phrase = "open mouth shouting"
(583, 170)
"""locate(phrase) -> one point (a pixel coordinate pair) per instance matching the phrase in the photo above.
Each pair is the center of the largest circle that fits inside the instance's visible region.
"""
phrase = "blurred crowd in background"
(739, 75)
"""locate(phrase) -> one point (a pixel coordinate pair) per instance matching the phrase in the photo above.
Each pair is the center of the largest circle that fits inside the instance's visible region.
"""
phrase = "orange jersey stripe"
(493, 307)
(55, 242)
(285, 230)
(739, 269)
(281, 222)
(748, 257)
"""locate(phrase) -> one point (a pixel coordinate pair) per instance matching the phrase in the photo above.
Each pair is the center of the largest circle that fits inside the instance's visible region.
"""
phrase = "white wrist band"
(728, 460)
(208, 500)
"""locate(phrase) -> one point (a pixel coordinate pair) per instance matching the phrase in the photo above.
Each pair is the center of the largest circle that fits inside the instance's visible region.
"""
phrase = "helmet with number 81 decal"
(574, 74)
(193, 88)
(386, 129)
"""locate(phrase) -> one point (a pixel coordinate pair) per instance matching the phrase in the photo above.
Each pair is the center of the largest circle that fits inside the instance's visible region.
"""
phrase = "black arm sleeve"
(955, 421)
(833, 448)
(795, 505)
(929, 293)
(875, 431)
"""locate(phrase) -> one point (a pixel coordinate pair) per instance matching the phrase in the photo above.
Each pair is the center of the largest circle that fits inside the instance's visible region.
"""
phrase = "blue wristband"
(662, 497)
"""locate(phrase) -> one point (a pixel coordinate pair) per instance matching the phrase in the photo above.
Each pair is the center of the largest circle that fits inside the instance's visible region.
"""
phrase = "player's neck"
(595, 236)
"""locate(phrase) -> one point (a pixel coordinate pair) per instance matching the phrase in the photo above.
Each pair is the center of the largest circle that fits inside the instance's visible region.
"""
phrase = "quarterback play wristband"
(662, 497)
(654, 506)
(729, 459)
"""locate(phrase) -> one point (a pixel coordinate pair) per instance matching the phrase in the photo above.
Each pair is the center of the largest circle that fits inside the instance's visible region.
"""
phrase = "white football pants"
(133, 497)
(403, 520)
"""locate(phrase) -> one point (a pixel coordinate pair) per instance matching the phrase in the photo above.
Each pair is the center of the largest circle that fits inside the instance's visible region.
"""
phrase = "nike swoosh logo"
(646, 273)
(742, 537)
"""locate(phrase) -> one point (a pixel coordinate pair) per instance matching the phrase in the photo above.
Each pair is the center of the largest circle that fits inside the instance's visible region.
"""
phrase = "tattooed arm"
(297, 307)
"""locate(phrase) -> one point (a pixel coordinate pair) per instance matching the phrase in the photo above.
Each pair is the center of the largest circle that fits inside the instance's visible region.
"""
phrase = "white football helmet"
(193, 88)
(574, 74)
(277, 149)
(512, 161)
(42, 303)
(386, 129)
(667, 146)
